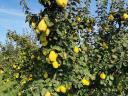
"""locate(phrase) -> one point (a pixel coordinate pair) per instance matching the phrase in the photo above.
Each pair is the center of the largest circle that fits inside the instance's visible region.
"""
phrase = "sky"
(12, 16)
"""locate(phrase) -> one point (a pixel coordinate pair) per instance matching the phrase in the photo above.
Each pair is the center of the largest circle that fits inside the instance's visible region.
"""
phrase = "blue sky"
(13, 18)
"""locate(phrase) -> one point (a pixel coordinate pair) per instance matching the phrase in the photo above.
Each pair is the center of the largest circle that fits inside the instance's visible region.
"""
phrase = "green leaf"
(48, 22)
(111, 77)
(125, 44)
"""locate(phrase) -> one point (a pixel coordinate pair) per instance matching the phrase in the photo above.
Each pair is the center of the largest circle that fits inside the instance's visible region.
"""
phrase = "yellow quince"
(125, 16)
(1, 71)
(76, 49)
(33, 24)
(110, 17)
(63, 89)
(53, 56)
(42, 26)
(37, 31)
(14, 66)
(102, 75)
(55, 64)
(47, 93)
(62, 3)
(47, 31)
(85, 82)
(78, 19)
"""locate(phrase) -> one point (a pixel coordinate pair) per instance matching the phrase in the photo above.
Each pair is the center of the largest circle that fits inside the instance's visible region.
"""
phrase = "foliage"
(75, 54)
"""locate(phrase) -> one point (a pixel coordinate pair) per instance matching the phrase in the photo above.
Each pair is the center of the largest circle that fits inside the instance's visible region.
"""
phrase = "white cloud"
(11, 12)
